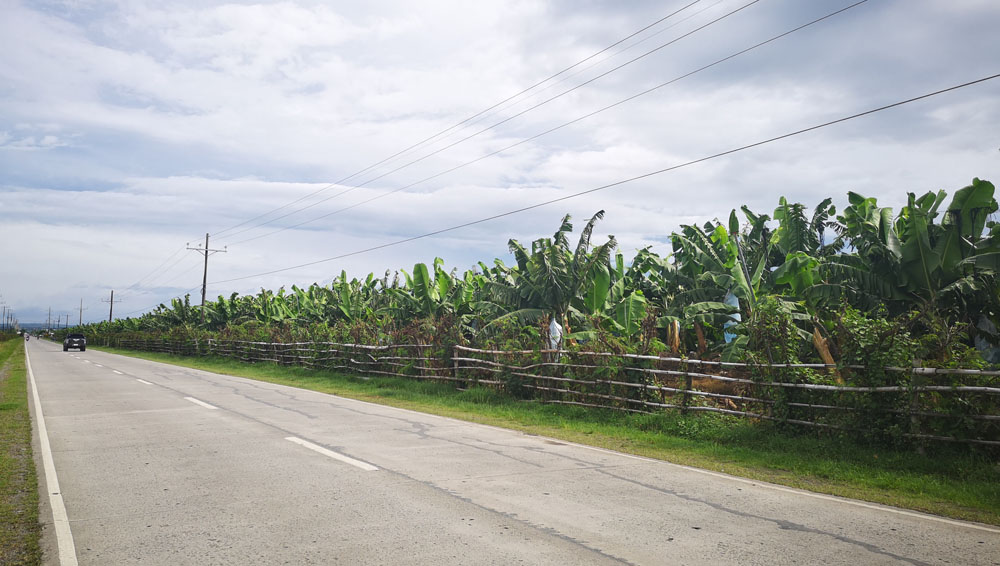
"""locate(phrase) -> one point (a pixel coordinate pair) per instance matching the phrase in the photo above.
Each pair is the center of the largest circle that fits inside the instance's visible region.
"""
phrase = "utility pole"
(48, 321)
(81, 311)
(111, 311)
(204, 277)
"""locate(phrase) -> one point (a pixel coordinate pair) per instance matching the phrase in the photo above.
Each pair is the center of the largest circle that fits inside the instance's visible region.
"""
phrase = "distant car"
(75, 341)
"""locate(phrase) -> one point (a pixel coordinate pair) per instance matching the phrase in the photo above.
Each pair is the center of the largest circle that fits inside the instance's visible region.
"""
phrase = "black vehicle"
(75, 341)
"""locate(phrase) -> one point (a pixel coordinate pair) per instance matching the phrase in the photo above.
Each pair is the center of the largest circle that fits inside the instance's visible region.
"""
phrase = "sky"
(129, 130)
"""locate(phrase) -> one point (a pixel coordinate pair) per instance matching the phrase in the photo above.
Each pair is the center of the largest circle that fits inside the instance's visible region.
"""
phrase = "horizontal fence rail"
(918, 403)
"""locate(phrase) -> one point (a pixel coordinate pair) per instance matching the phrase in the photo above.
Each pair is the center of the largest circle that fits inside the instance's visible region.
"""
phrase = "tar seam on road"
(815, 495)
(197, 402)
(722, 475)
(60, 520)
(335, 455)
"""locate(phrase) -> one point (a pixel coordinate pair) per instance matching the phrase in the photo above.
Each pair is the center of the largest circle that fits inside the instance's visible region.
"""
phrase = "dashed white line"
(99, 365)
(148, 383)
(336, 456)
(202, 403)
(118, 372)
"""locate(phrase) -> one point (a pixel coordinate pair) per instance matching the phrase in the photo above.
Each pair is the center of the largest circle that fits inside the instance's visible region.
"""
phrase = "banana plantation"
(929, 272)
(861, 287)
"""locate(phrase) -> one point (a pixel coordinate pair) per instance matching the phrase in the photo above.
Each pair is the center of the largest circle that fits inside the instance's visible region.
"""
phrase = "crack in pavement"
(782, 524)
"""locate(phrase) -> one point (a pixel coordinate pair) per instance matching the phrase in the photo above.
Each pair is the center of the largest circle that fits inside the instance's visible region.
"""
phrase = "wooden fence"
(915, 403)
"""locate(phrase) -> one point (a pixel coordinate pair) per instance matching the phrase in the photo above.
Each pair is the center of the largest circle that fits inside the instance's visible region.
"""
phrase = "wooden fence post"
(685, 398)
(917, 380)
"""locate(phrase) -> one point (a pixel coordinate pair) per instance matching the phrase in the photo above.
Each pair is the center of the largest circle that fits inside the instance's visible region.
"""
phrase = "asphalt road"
(159, 464)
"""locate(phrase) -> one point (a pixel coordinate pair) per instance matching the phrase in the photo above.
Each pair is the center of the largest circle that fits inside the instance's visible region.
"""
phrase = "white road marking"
(86, 361)
(60, 520)
(327, 452)
(99, 365)
(197, 402)
(118, 372)
(148, 383)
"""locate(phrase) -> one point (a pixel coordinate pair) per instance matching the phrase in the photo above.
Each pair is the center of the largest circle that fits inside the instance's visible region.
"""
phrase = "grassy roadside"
(948, 481)
(20, 532)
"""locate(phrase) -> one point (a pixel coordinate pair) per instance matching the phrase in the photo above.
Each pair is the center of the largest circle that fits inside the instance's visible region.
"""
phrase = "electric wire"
(596, 63)
(508, 119)
(164, 272)
(136, 288)
(621, 182)
(135, 291)
(469, 122)
(556, 128)
(158, 304)
(157, 268)
(481, 112)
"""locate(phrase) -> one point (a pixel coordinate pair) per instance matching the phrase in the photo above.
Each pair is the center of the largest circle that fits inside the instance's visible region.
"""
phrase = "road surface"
(157, 464)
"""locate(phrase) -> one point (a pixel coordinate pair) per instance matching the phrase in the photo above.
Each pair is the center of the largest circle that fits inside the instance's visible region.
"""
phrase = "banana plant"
(550, 277)
(349, 298)
(609, 304)
(424, 296)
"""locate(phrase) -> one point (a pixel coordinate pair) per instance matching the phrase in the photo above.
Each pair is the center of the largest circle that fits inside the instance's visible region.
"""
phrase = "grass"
(949, 481)
(19, 536)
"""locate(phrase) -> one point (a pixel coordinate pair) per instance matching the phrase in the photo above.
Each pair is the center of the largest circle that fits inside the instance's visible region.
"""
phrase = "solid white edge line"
(197, 402)
(147, 383)
(327, 452)
(60, 520)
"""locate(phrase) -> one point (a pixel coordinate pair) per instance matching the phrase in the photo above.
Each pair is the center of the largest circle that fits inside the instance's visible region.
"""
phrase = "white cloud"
(31, 143)
(149, 125)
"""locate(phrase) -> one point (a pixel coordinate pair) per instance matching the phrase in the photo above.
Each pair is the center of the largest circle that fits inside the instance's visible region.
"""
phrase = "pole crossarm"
(112, 302)
(204, 278)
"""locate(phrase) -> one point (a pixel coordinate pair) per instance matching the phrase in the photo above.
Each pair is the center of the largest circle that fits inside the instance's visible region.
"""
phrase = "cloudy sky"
(129, 130)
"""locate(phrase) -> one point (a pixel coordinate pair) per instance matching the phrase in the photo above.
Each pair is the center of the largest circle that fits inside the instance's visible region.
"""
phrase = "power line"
(157, 268)
(138, 283)
(621, 182)
(158, 304)
(549, 131)
(434, 136)
(596, 63)
(140, 288)
(479, 114)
